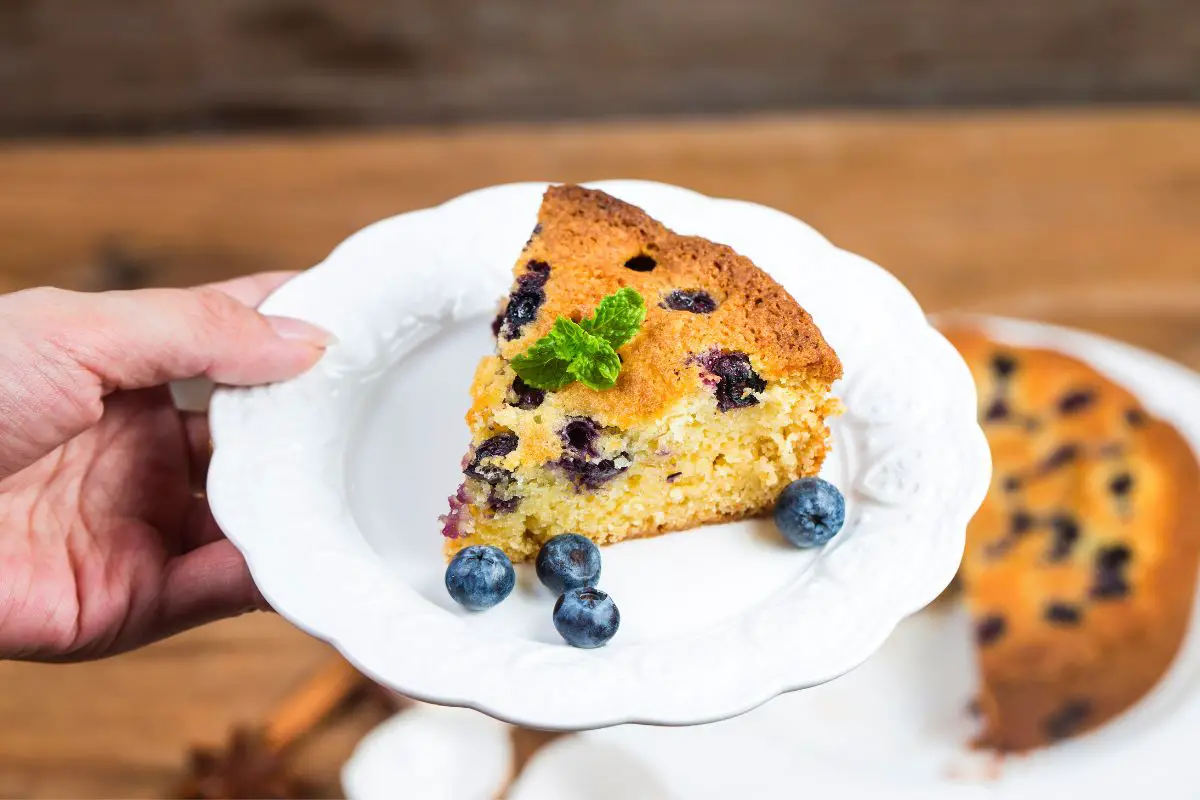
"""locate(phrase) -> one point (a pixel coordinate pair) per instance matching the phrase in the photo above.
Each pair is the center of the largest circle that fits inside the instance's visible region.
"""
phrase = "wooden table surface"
(1091, 219)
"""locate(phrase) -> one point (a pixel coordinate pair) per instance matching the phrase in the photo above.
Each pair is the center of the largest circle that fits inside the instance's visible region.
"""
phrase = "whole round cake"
(1080, 567)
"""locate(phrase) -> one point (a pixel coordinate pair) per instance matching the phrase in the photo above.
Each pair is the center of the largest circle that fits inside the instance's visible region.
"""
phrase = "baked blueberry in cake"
(1080, 567)
(643, 382)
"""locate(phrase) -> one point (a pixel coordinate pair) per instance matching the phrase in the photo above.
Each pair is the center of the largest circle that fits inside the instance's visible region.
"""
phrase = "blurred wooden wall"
(146, 66)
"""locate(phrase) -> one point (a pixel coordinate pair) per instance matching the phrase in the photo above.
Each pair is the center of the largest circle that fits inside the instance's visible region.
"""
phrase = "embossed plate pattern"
(330, 484)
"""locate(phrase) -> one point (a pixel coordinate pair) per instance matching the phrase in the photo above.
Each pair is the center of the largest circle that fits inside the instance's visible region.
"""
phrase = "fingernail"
(298, 330)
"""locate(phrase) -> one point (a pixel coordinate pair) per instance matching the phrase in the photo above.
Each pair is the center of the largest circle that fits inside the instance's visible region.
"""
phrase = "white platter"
(331, 484)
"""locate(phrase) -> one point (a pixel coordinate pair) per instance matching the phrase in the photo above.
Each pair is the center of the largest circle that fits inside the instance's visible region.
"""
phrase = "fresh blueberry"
(586, 617)
(479, 577)
(810, 512)
(568, 561)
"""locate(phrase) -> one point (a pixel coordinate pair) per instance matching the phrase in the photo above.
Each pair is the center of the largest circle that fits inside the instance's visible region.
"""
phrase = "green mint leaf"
(541, 368)
(617, 318)
(598, 367)
(585, 351)
(568, 339)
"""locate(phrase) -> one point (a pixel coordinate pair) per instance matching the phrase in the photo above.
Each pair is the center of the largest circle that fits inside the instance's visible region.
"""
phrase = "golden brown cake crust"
(722, 399)
(587, 236)
(1080, 568)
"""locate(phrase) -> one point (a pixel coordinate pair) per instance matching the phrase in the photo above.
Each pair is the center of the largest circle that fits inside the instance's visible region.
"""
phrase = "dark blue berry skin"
(736, 379)
(810, 512)
(524, 396)
(697, 301)
(497, 446)
(581, 460)
(568, 561)
(587, 475)
(580, 435)
(526, 298)
(586, 617)
(479, 577)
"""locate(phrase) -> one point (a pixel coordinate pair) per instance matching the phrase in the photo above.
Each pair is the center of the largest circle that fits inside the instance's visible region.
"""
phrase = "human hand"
(106, 541)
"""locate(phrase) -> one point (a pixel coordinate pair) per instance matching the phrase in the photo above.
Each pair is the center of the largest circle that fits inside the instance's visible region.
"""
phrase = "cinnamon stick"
(309, 705)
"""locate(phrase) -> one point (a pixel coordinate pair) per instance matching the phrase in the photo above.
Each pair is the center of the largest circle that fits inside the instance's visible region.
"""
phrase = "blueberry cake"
(1080, 567)
(721, 399)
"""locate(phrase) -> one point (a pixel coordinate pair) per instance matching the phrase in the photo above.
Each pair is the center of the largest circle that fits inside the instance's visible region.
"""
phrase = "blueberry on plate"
(479, 577)
(810, 512)
(586, 617)
(568, 561)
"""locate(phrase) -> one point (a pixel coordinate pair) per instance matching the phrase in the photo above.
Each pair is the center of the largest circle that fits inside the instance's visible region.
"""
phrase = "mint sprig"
(585, 351)
(617, 318)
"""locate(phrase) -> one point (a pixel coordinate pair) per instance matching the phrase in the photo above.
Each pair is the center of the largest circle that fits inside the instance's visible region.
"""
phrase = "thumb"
(207, 584)
(61, 352)
(137, 339)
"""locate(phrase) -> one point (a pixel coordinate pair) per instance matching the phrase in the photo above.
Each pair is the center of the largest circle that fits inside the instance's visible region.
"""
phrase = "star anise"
(248, 768)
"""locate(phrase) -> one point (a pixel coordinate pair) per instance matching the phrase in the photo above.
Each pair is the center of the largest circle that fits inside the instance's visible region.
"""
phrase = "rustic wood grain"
(1083, 217)
(134, 66)
(1091, 219)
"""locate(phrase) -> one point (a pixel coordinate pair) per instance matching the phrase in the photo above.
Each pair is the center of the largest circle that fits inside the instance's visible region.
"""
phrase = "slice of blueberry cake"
(710, 395)
(1080, 568)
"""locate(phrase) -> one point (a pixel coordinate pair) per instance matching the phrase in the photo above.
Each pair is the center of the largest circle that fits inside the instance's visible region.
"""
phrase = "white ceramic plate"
(897, 727)
(331, 484)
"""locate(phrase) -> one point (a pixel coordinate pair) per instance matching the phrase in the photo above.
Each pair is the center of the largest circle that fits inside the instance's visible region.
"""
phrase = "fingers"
(209, 583)
(170, 334)
(200, 528)
(130, 340)
(199, 449)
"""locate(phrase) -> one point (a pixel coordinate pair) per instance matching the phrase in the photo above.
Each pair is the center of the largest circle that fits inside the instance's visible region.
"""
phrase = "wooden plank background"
(145, 66)
(1092, 219)
(1080, 217)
